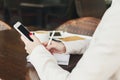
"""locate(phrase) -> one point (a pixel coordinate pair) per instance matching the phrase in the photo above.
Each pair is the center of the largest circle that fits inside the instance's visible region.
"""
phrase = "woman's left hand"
(29, 45)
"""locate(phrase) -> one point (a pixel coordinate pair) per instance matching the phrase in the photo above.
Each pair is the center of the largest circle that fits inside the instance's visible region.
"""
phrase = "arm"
(99, 62)
(92, 66)
(43, 61)
(76, 47)
(70, 47)
(46, 65)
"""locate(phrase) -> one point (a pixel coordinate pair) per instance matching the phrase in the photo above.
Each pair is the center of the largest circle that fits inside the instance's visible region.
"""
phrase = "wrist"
(63, 47)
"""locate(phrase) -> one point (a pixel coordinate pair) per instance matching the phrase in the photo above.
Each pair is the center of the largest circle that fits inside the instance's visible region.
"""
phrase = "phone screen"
(25, 32)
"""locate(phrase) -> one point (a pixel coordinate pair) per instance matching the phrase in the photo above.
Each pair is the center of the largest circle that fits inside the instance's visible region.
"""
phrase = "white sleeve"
(46, 65)
(76, 47)
(100, 61)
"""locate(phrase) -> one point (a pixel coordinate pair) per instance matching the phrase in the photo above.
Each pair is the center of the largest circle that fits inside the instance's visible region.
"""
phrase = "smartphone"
(58, 34)
(22, 30)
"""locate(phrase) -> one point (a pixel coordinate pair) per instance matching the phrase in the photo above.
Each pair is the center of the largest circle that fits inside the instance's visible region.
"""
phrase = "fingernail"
(30, 33)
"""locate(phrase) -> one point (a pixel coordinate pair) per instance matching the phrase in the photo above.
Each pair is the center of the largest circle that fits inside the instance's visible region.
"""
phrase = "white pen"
(53, 32)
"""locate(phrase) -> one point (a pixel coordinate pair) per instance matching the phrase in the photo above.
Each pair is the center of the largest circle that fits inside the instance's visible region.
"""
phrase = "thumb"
(50, 47)
(45, 43)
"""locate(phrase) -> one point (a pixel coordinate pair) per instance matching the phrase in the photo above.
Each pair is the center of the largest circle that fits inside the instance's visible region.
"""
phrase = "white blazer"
(101, 61)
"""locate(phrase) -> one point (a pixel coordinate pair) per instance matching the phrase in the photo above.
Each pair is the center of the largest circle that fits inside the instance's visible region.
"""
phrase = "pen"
(53, 32)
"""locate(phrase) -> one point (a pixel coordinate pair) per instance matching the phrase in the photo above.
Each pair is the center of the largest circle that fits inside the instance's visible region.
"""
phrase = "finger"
(50, 47)
(45, 43)
(25, 48)
(21, 37)
(34, 38)
(24, 39)
(27, 51)
(51, 51)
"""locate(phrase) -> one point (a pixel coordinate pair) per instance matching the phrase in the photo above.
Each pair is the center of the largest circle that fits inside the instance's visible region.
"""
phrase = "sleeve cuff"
(40, 53)
(76, 47)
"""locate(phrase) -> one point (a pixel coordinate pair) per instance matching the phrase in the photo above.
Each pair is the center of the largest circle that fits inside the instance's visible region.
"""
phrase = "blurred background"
(49, 14)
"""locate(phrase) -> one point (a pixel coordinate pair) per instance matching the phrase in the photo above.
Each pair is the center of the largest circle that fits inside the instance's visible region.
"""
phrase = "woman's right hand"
(55, 47)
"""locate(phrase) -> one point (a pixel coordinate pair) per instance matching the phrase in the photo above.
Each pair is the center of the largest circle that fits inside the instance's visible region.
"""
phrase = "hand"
(29, 45)
(55, 47)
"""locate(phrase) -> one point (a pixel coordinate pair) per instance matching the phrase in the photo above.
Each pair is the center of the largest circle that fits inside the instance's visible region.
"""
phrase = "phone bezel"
(19, 24)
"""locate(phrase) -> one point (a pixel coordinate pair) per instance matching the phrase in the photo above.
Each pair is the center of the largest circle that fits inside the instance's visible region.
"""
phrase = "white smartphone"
(22, 30)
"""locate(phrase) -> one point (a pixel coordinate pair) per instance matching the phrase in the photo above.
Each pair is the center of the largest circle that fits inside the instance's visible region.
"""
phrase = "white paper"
(66, 34)
(62, 59)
